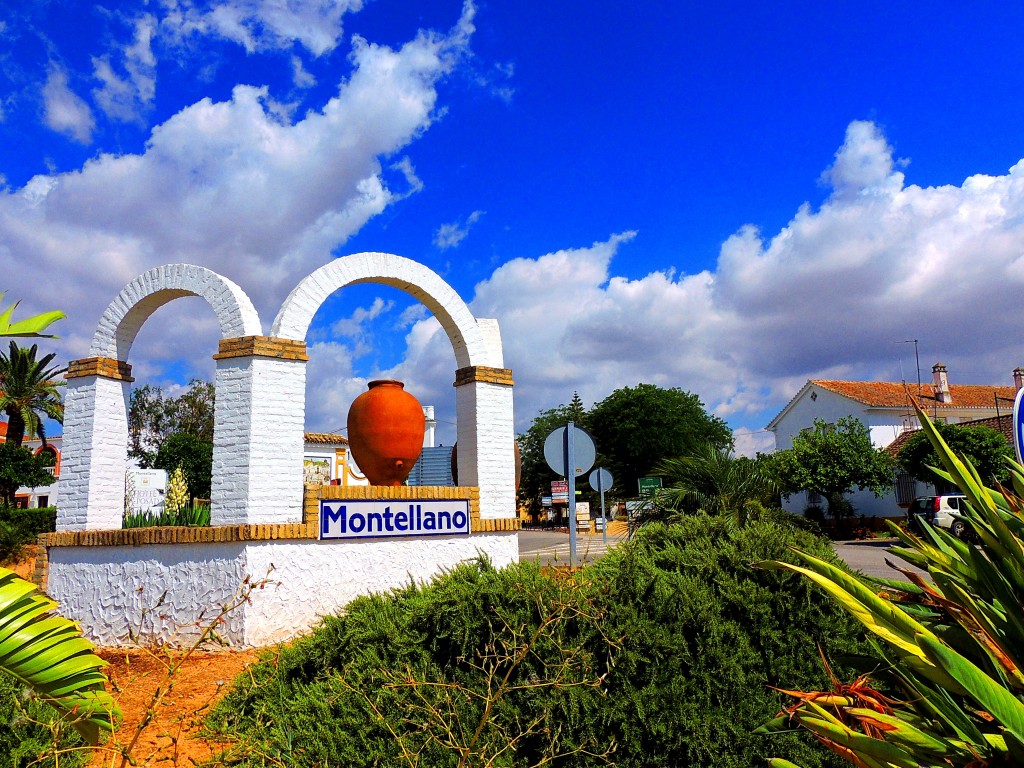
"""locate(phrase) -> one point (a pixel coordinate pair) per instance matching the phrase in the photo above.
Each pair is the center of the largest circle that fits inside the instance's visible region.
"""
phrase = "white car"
(938, 511)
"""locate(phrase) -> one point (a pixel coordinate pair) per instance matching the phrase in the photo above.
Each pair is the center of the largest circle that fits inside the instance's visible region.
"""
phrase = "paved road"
(552, 548)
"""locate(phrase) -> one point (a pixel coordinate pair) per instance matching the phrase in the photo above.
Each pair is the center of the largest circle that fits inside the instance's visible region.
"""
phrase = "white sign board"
(385, 518)
(147, 490)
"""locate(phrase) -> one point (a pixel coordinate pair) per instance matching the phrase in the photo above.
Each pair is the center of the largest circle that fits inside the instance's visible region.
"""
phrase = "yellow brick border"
(137, 537)
(261, 346)
(472, 373)
(107, 367)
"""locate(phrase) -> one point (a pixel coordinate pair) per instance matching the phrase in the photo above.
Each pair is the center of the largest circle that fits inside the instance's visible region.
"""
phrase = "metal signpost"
(570, 452)
(601, 481)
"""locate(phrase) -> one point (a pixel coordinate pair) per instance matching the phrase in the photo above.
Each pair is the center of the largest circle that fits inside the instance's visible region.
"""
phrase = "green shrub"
(190, 514)
(663, 650)
(28, 730)
(20, 527)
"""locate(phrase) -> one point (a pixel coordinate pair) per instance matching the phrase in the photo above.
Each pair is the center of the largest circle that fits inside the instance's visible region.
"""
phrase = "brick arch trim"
(137, 301)
(476, 342)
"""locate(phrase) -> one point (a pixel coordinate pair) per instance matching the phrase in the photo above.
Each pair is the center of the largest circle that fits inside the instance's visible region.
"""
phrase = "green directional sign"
(648, 486)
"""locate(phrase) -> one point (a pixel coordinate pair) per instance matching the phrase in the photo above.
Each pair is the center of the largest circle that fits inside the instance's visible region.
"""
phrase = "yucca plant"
(47, 653)
(953, 647)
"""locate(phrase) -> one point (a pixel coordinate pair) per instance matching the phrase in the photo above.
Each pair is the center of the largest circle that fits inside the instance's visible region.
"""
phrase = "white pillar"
(483, 404)
(258, 431)
(95, 445)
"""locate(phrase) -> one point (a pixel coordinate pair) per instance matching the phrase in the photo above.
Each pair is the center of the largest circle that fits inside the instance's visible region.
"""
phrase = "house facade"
(886, 409)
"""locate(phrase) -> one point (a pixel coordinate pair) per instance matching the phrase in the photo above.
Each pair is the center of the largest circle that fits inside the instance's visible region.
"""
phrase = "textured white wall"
(120, 323)
(486, 436)
(112, 590)
(95, 454)
(258, 441)
(318, 578)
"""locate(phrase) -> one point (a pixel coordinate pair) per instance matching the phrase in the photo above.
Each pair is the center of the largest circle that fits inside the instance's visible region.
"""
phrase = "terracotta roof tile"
(325, 438)
(1002, 424)
(892, 394)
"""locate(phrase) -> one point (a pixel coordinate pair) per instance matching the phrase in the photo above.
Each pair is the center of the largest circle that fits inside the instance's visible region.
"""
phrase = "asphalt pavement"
(552, 548)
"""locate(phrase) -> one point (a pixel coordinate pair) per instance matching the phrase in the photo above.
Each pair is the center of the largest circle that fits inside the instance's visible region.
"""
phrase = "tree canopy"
(986, 449)
(29, 390)
(19, 467)
(634, 428)
(831, 459)
(153, 417)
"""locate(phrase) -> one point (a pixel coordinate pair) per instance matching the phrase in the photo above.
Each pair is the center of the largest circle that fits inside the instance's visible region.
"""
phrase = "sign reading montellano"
(359, 519)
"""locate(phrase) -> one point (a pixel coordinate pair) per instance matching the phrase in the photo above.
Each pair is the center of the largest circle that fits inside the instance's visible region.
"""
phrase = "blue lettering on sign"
(383, 518)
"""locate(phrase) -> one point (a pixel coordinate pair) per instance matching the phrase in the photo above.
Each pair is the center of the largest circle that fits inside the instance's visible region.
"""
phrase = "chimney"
(1018, 378)
(941, 383)
(429, 427)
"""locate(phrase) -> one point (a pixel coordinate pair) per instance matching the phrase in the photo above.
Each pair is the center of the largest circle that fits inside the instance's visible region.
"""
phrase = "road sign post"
(570, 452)
(601, 481)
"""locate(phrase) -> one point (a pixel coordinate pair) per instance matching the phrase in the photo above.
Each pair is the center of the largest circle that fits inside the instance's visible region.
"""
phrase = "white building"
(886, 409)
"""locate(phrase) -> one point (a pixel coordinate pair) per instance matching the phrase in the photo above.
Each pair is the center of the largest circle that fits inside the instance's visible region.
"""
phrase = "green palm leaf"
(30, 326)
(47, 653)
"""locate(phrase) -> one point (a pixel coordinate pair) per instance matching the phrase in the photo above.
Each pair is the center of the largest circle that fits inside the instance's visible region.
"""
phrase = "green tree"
(985, 448)
(29, 389)
(536, 475)
(713, 480)
(195, 458)
(830, 460)
(635, 428)
(153, 417)
(18, 467)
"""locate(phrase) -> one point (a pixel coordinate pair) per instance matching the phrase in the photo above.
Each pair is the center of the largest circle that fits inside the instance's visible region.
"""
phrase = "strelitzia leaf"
(30, 326)
(48, 654)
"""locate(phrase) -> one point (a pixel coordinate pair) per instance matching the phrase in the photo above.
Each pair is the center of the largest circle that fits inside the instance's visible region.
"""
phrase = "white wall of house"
(884, 425)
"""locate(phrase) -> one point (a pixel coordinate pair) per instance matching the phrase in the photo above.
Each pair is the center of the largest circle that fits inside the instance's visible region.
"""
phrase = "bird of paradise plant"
(952, 646)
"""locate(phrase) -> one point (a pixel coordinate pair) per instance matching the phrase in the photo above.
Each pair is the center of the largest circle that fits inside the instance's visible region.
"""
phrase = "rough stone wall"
(95, 454)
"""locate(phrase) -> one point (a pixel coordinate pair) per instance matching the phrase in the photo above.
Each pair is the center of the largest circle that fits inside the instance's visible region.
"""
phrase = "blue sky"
(727, 197)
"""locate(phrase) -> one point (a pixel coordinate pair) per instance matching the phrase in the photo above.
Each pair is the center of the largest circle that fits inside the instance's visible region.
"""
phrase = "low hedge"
(19, 527)
(660, 654)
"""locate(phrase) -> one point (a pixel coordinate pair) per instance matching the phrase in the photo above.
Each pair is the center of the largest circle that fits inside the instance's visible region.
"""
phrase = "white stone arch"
(483, 393)
(96, 403)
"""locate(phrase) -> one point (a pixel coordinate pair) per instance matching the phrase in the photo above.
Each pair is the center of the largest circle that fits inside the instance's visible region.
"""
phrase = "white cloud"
(125, 97)
(234, 185)
(300, 76)
(826, 296)
(63, 110)
(450, 235)
(264, 24)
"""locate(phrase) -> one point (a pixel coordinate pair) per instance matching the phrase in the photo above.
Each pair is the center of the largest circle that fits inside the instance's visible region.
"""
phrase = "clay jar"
(385, 432)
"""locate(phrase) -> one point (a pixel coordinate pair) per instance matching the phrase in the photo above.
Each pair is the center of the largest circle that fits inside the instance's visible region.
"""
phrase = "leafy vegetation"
(20, 467)
(20, 527)
(634, 428)
(191, 454)
(830, 460)
(29, 389)
(188, 514)
(31, 326)
(953, 644)
(714, 481)
(30, 729)
(660, 654)
(154, 417)
(985, 448)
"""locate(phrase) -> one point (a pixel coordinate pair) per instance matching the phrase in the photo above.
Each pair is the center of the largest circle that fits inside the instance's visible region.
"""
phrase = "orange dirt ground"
(171, 737)
(135, 674)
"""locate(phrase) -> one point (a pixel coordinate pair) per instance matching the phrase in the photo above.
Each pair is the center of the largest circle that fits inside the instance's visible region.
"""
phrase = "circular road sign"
(601, 479)
(583, 444)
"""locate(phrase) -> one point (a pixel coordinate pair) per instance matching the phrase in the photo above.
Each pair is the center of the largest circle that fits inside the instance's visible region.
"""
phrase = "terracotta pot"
(385, 432)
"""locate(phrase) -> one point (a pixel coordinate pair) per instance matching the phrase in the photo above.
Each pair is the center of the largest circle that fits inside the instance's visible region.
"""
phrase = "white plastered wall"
(161, 593)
